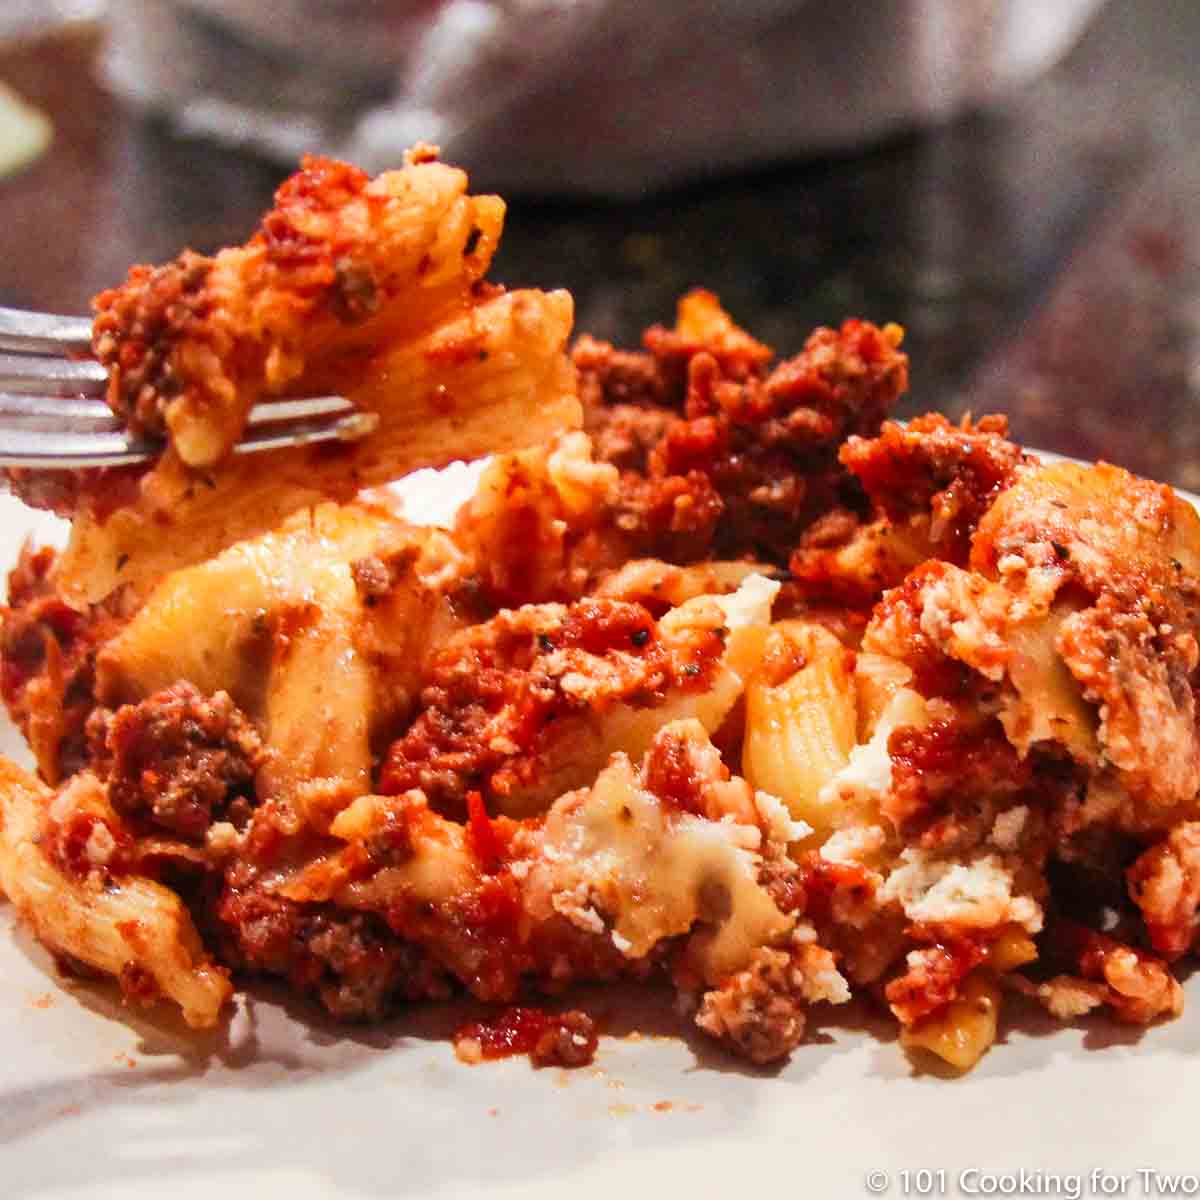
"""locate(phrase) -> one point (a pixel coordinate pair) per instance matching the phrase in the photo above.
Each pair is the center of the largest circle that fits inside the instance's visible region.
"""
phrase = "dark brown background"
(1044, 256)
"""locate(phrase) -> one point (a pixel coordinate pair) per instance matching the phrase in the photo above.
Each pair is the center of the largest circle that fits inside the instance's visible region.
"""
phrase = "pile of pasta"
(720, 678)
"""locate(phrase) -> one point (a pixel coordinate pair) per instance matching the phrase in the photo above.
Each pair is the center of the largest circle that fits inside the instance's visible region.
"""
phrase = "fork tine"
(57, 412)
(67, 412)
(43, 333)
(53, 448)
(346, 429)
(308, 407)
(52, 414)
(33, 447)
(47, 376)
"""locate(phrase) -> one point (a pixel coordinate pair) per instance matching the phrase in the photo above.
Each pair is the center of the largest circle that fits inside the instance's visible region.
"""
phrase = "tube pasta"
(319, 702)
(494, 379)
(651, 581)
(129, 922)
(877, 679)
(371, 289)
(799, 733)
(962, 1032)
(297, 650)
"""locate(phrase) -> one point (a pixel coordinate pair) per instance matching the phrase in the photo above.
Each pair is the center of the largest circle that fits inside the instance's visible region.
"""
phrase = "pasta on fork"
(371, 289)
(719, 679)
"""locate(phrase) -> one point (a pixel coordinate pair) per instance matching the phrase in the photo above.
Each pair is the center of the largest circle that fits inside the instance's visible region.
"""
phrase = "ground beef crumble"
(930, 466)
(757, 1009)
(721, 454)
(496, 690)
(178, 760)
(352, 963)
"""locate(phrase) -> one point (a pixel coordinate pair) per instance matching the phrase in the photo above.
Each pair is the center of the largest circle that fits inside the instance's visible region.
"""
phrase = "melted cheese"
(654, 873)
(208, 623)
(1049, 704)
(440, 867)
(977, 894)
(583, 744)
(278, 623)
(856, 789)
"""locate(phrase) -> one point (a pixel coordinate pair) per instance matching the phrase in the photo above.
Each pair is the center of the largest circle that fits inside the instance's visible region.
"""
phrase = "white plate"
(97, 1100)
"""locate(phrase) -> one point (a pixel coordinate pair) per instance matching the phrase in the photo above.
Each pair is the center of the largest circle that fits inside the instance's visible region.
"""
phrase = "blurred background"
(1017, 182)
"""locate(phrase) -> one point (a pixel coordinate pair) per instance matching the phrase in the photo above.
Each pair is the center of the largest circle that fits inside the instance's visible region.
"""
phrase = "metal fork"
(51, 413)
